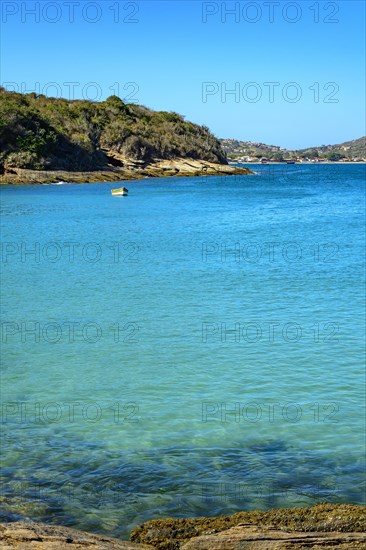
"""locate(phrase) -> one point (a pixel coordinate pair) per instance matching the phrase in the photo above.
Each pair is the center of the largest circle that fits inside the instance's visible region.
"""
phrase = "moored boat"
(121, 192)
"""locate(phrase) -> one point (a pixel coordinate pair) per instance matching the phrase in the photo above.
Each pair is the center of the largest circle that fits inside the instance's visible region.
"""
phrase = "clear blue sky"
(183, 56)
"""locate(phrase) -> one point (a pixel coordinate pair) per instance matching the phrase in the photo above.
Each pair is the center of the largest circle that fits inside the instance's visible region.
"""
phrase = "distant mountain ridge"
(352, 151)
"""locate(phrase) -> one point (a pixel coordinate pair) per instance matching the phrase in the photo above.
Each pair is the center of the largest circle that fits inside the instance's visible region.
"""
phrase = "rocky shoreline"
(320, 527)
(130, 170)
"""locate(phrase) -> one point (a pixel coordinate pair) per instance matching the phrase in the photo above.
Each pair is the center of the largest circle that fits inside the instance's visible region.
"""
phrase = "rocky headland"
(46, 140)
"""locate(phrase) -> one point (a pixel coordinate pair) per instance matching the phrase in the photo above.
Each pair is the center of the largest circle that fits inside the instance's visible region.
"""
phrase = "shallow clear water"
(195, 348)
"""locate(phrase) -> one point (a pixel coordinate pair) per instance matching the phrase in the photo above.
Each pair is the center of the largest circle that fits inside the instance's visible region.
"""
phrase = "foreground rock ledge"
(325, 526)
(36, 536)
(321, 527)
(129, 171)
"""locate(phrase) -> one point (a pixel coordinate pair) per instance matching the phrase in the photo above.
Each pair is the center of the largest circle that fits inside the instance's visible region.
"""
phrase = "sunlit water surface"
(193, 349)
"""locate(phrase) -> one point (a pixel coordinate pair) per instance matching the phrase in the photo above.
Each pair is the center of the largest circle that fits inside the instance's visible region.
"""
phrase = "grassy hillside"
(41, 133)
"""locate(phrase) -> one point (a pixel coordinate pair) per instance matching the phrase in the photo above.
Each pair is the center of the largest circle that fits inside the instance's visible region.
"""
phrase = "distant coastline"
(349, 163)
(353, 151)
(159, 169)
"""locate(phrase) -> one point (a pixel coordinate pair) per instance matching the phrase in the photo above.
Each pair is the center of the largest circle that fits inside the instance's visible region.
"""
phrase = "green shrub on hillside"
(23, 159)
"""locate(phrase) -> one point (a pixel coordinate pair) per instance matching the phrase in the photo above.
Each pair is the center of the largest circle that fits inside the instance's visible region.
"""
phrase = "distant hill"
(42, 133)
(254, 150)
(354, 150)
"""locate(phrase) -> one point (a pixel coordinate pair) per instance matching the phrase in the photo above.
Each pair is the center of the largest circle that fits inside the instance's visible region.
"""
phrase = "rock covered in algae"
(321, 527)
(329, 526)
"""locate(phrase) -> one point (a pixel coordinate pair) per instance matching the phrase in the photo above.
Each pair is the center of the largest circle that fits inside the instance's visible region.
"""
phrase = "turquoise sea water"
(196, 348)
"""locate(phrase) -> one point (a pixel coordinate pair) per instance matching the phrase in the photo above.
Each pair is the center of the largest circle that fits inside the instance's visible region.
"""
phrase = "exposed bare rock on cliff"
(128, 170)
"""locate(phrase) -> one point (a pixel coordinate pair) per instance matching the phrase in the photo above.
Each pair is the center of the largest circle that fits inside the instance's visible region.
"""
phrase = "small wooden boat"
(121, 192)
